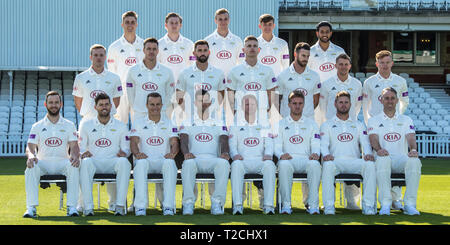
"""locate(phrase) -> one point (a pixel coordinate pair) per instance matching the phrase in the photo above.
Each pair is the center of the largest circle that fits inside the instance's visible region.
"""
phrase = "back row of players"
(169, 69)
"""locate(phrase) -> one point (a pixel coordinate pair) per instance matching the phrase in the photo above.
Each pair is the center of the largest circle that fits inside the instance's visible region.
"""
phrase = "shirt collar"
(339, 80)
(330, 47)
(48, 122)
(252, 67)
(180, 39)
(291, 120)
(97, 122)
(195, 68)
(217, 35)
(198, 121)
(156, 68)
(292, 69)
(382, 78)
(385, 117)
(161, 121)
(264, 40)
(125, 42)
(337, 119)
(93, 73)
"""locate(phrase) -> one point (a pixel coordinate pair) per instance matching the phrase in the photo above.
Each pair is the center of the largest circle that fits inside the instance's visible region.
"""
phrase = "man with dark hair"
(297, 146)
(154, 144)
(47, 146)
(105, 146)
(391, 135)
(345, 148)
(274, 51)
(124, 53)
(147, 77)
(204, 143)
(175, 50)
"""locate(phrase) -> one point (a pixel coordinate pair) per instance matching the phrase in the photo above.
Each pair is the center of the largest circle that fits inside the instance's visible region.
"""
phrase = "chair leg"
(203, 194)
(156, 197)
(61, 199)
(250, 193)
(98, 195)
(340, 193)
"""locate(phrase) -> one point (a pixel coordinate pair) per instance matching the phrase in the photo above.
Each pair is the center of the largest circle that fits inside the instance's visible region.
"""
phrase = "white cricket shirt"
(323, 62)
(251, 140)
(122, 55)
(308, 82)
(344, 139)
(176, 55)
(226, 52)
(52, 138)
(298, 138)
(392, 132)
(89, 83)
(274, 53)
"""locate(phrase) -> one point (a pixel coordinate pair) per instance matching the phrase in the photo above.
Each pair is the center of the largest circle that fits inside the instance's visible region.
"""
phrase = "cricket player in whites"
(342, 140)
(251, 148)
(297, 147)
(105, 147)
(372, 105)
(391, 134)
(204, 143)
(47, 147)
(124, 53)
(154, 145)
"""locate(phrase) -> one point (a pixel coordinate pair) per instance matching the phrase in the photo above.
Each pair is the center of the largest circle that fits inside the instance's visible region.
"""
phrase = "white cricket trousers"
(216, 165)
(117, 165)
(53, 167)
(349, 166)
(411, 166)
(142, 167)
(286, 169)
(256, 166)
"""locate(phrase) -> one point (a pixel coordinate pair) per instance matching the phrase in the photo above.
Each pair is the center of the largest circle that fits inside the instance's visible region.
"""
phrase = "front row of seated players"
(208, 144)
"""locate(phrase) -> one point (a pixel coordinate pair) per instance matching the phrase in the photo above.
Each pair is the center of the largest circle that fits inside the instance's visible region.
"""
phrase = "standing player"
(47, 147)
(251, 148)
(105, 147)
(324, 52)
(123, 54)
(372, 105)
(201, 76)
(226, 48)
(342, 139)
(391, 134)
(274, 51)
(204, 143)
(341, 82)
(147, 77)
(251, 77)
(154, 145)
(96, 80)
(298, 148)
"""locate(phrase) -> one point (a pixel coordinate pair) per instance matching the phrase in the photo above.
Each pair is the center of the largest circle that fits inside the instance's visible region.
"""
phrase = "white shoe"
(130, 209)
(30, 213)
(80, 209)
(72, 212)
(112, 207)
(216, 209)
(329, 211)
(313, 211)
(188, 209)
(239, 210)
(268, 210)
(88, 212)
(140, 212)
(410, 210)
(397, 205)
(369, 211)
(385, 210)
(261, 198)
(286, 210)
(168, 211)
(120, 211)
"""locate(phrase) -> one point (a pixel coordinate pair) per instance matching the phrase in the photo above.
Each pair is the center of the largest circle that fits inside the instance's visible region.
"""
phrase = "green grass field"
(433, 203)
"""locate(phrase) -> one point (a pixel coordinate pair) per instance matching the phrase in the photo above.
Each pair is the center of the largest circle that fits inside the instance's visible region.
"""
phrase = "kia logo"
(130, 61)
(304, 91)
(203, 137)
(223, 55)
(392, 137)
(149, 86)
(155, 141)
(53, 142)
(251, 141)
(96, 92)
(252, 86)
(203, 86)
(345, 137)
(296, 139)
(103, 142)
(174, 59)
(326, 67)
(268, 60)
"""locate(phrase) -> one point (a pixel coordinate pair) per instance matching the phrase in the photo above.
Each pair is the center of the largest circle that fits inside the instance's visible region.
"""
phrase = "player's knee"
(189, 163)
(414, 164)
(223, 164)
(124, 163)
(237, 165)
(383, 163)
(269, 164)
(140, 164)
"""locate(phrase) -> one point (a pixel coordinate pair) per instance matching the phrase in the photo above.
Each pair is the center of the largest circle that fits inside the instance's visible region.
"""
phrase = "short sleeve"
(33, 138)
(77, 87)
(73, 136)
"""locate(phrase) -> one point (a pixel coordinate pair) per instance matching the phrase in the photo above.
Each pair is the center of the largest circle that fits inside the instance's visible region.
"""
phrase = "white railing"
(429, 145)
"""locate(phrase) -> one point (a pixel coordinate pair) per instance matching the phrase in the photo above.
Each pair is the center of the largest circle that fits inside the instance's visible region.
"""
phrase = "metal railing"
(429, 145)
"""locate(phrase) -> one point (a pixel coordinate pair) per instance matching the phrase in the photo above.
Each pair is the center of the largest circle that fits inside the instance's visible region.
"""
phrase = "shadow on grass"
(252, 217)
